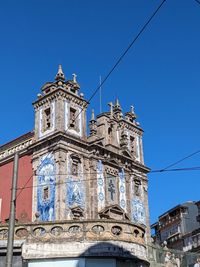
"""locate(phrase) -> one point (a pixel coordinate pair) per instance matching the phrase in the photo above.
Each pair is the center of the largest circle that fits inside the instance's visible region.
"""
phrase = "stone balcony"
(40, 237)
(77, 230)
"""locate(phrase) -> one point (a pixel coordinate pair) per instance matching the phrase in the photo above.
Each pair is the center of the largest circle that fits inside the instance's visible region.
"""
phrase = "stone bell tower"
(60, 127)
(60, 108)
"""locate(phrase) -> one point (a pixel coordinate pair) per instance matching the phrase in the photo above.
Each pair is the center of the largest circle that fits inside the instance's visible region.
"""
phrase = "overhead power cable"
(105, 177)
(197, 1)
(124, 53)
(23, 187)
(178, 169)
(176, 162)
(127, 49)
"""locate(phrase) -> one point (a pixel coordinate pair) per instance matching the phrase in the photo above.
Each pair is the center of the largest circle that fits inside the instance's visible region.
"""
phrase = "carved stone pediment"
(100, 143)
(114, 212)
(77, 213)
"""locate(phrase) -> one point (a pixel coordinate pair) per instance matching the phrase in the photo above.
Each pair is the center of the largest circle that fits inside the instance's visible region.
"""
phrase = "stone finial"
(60, 75)
(117, 110)
(132, 110)
(74, 77)
(93, 124)
(92, 116)
(117, 104)
(111, 108)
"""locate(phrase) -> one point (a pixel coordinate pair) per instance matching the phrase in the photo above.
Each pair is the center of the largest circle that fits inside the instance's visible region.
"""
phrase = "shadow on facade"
(107, 254)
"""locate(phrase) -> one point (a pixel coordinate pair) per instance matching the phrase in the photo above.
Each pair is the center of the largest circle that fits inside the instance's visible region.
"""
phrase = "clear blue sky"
(159, 75)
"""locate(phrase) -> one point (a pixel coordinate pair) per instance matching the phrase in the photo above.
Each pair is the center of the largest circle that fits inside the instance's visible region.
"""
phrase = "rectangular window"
(137, 187)
(72, 117)
(46, 119)
(132, 144)
(75, 168)
(46, 193)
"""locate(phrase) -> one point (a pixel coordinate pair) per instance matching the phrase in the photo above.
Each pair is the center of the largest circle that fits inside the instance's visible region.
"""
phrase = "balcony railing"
(77, 230)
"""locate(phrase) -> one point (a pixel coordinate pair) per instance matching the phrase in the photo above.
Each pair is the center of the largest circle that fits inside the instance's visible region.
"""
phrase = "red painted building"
(25, 178)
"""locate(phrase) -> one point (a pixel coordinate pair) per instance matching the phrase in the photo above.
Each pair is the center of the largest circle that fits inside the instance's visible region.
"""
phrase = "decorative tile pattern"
(100, 186)
(46, 180)
(138, 211)
(122, 190)
(75, 193)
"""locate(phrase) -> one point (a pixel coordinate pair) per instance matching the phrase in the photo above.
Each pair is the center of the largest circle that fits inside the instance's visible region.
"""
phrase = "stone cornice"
(19, 144)
(60, 93)
(53, 138)
(128, 125)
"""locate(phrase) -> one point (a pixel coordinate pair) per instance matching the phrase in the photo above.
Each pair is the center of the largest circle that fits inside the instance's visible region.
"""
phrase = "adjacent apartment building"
(177, 226)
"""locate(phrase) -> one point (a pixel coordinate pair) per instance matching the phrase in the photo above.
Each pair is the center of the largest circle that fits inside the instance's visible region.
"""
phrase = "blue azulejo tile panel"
(138, 211)
(75, 193)
(46, 188)
(100, 186)
(122, 190)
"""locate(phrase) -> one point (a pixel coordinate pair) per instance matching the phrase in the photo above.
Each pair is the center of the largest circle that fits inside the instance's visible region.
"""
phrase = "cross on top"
(111, 189)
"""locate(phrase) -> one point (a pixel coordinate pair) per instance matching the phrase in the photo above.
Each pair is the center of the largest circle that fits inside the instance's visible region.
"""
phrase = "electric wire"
(176, 162)
(197, 1)
(105, 177)
(23, 187)
(123, 54)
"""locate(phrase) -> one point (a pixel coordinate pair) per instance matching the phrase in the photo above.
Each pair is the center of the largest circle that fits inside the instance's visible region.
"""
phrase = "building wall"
(24, 201)
(189, 221)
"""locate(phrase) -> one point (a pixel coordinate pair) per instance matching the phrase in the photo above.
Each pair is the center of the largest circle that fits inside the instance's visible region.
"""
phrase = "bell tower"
(60, 127)
(60, 108)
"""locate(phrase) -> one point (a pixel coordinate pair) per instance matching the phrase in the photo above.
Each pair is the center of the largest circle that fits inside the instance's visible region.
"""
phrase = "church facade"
(82, 198)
